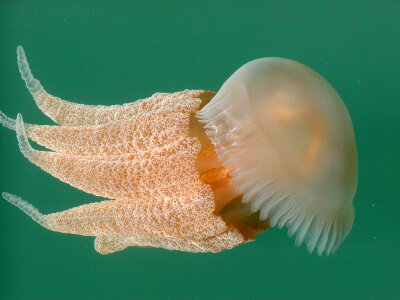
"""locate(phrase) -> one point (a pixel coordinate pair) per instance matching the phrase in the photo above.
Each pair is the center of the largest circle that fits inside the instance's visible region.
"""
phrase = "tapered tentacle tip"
(21, 57)
(23, 141)
(7, 121)
(6, 196)
(13, 199)
(10, 198)
(32, 84)
(20, 51)
(26, 207)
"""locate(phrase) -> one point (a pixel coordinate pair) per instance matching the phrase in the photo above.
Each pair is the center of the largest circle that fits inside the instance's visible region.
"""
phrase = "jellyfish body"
(289, 139)
(200, 172)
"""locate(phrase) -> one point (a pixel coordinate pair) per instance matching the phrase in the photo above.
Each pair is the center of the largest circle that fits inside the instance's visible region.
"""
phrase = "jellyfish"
(200, 171)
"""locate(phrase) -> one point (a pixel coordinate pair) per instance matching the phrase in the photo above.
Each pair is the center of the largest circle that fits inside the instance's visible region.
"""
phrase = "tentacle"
(7, 121)
(122, 224)
(67, 113)
(156, 172)
(55, 108)
(162, 218)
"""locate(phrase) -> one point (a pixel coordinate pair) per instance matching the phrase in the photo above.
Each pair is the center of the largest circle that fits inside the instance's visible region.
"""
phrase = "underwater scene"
(199, 150)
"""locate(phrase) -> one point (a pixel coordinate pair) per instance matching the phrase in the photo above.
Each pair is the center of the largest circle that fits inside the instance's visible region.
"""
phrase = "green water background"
(111, 52)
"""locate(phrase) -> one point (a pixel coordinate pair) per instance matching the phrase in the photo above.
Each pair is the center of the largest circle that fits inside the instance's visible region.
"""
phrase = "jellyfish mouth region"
(228, 204)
